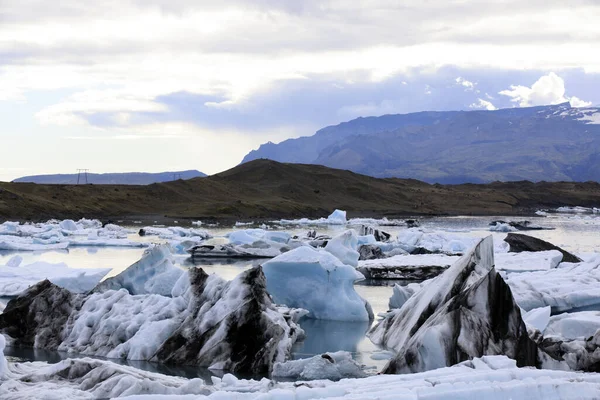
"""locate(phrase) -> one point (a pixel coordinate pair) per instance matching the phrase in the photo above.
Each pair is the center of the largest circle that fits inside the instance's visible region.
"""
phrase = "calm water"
(580, 234)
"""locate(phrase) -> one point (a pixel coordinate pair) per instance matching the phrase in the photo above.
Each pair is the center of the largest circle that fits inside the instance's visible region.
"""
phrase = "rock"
(519, 243)
(370, 252)
(466, 312)
(142, 232)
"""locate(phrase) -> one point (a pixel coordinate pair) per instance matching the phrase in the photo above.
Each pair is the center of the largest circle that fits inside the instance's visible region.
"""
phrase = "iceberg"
(317, 281)
(466, 312)
(207, 322)
(154, 273)
(344, 247)
(519, 243)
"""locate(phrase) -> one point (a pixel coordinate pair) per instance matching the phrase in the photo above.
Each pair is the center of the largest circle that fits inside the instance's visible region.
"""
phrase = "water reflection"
(329, 336)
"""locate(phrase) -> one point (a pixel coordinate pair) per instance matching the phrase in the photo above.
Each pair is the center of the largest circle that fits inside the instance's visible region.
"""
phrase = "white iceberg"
(317, 281)
(573, 326)
(154, 273)
(337, 217)
(344, 247)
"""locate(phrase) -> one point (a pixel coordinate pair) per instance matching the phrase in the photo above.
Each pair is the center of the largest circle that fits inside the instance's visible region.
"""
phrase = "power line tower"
(82, 173)
(176, 176)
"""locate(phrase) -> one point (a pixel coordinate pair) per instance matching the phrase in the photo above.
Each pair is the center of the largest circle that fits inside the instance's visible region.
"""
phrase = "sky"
(163, 85)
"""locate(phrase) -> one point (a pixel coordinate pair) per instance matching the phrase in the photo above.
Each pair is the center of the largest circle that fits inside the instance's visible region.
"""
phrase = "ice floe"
(316, 280)
(331, 366)
(154, 273)
(466, 312)
(207, 322)
(417, 267)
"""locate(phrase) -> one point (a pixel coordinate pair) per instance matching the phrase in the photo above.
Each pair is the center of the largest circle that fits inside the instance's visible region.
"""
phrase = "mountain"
(125, 178)
(264, 189)
(551, 143)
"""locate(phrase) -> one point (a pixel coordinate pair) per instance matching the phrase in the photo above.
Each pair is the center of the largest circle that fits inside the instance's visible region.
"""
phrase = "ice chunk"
(332, 366)
(337, 217)
(209, 322)
(528, 261)
(154, 273)
(344, 247)
(537, 318)
(318, 282)
(68, 225)
(417, 267)
(571, 287)
(570, 326)
(466, 312)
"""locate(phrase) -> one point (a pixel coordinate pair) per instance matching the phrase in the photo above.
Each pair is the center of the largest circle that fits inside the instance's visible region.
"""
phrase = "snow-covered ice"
(317, 281)
(528, 261)
(571, 287)
(571, 326)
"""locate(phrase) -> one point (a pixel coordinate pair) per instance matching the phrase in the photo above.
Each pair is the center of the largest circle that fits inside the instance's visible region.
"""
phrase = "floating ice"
(344, 247)
(528, 261)
(208, 322)
(466, 312)
(332, 366)
(418, 267)
(154, 273)
(317, 281)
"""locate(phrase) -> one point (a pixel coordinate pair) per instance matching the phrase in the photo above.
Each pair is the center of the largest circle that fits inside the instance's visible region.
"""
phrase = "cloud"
(549, 89)
(467, 84)
(577, 102)
(483, 104)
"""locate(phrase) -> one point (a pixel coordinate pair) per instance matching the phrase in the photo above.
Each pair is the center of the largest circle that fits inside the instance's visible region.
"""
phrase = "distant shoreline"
(265, 190)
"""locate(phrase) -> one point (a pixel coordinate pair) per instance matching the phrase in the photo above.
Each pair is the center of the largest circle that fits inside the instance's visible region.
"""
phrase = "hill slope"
(125, 178)
(268, 189)
(552, 143)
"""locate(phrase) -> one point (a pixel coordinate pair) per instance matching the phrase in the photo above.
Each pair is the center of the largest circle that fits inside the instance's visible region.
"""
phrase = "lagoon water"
(575, 233)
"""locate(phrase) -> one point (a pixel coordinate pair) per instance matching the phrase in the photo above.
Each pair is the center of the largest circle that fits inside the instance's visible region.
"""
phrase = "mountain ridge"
(265, 189)
(111, 178)
(552, 143)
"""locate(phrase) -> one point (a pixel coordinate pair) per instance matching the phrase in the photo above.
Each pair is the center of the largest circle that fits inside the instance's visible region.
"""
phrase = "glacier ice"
(154, 273)
(466, 312)
(317, 281)
(208, 322)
